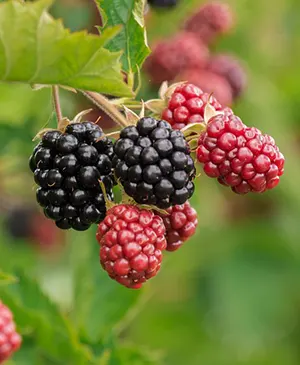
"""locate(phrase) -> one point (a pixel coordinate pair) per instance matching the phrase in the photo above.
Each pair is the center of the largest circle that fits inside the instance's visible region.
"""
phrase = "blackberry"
(211, 83)
(67, 167)
(10, 340)
(187, 105)
(211, 20)
(163, 3)
(132, 241)
(172, 56)
(153, 164)
(181, 223)
(239, 157)
(230, 67)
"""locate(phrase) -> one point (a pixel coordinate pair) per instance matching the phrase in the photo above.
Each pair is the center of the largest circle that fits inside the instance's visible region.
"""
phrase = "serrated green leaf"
(50, 54)
(96, 293)
(132, 39)
(36, 315)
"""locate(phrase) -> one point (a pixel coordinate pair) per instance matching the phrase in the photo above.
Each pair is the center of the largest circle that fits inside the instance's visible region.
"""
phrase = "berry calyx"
(132, 241)
(240, 157)
(67, 166)
(10, 340)
(181, 223)
(153, 164)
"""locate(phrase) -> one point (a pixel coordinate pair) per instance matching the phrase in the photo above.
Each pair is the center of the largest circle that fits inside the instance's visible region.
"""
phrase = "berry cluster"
(10, 340)
(240, 157)
(185, 56)
(132, 241)
(153, 164)
(67, 167)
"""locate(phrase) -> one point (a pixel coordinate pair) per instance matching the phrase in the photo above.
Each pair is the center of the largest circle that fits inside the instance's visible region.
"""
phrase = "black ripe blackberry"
(67, 167)
(163, 3)
(153, 164)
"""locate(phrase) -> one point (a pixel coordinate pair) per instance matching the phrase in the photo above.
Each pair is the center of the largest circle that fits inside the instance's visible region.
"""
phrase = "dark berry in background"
(163, 3)
(172, 56)
(153, 164)
(210, 82)
(210, 21)
(231, 69)
(67, 167)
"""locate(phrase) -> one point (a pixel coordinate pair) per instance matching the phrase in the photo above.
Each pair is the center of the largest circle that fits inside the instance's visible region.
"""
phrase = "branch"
(104, 104)
(56, 102)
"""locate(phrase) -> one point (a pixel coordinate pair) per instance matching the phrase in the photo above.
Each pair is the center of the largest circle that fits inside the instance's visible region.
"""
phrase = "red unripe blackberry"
(231, 69)
(210, 83)
(181, 223)
(10, 340)
(240, 157)
(172, 56)
(211, 20)
(187, 105)
(132, 241)
(153, 163)
(67, 167)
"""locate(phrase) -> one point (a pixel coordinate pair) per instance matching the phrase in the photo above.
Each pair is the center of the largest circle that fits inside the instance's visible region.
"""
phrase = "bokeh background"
(231, 295)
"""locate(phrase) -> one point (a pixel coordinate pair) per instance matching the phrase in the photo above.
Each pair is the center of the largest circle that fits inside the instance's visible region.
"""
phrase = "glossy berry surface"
(187, 105)
(67, 167)
(230, 68)
(132, 241)
(10, 340)
(181, 223)
(153, 164)
(211, 20)
(172, 56)
(240, 157)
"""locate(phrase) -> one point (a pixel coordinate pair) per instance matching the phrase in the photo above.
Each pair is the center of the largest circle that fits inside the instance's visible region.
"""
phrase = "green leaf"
(124, 354)
(36, 49)
(95, 292)
(36, 315)
(132, 39)
(6, 278)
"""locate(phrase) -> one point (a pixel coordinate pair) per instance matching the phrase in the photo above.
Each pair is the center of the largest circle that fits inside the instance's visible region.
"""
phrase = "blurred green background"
(231, 295)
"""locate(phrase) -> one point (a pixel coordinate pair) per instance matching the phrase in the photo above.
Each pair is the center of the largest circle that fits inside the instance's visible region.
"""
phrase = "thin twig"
(56, 102)
(104, 104)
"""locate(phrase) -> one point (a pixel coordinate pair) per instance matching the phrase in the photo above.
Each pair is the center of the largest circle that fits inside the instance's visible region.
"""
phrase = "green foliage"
(50, 54)
(37, 315)
(132, 39)
(95, 293)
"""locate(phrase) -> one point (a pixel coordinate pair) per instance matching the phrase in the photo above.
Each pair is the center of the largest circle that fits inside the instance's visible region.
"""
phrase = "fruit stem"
(104, 104)
(56, 102)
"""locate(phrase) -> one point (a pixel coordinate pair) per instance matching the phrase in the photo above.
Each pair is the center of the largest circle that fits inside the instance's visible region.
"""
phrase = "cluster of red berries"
(186, 56)
(238, 156)
(132, 240)
(10, 340)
